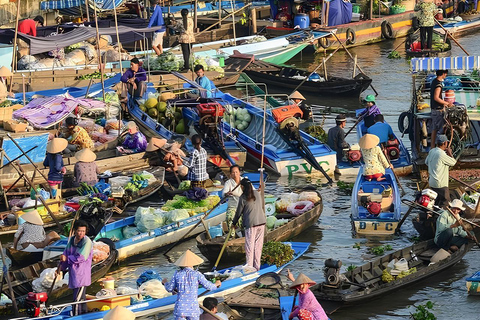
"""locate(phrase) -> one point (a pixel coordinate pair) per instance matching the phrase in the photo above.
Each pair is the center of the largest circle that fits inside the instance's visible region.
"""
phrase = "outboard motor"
(332, 272)
(353, 154)
(372, 202)
(393, 149)
(427, 198)
(307, 112)
(35, 303)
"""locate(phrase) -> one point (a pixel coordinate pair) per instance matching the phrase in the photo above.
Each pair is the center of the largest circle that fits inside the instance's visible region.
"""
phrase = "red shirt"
(28, 26)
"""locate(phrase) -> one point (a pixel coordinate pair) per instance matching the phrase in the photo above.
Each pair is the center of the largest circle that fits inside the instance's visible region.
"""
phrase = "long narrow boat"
(365, 282)
(235, 248)
(376, 205)
(441, 46)
(21, 279)
(402, 162)
(167, 304)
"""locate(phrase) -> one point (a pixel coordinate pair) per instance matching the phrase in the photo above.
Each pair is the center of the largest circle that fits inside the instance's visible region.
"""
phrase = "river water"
(331, 237)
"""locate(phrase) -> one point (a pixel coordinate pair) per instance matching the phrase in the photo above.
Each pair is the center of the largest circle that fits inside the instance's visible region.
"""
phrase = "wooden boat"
(166, 304)
(470, 23)
(441, 46)
(473, 281)
(381, 195)
(402, 165)
(22, 279)
(235, 248)
(365, 282)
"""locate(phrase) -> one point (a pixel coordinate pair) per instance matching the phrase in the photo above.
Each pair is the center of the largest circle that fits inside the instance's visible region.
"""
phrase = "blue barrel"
(302, 20)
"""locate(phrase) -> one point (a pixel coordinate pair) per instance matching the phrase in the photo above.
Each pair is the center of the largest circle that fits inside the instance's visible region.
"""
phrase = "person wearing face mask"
(134, 80)
(438, 105)
(308, 306)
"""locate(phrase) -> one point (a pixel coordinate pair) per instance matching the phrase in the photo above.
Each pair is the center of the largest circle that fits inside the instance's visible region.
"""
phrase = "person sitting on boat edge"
(156, 20)
(185, 281)
(439, 160)
(77, 258)
(174, 155)
(77, 136)
(449, 235)
(54, 161)
(133, 81)
(211, 304)
(31, 232)
(374, 158)
(336, 136)
(134, 142)
(381, 129)
(308, 307)
(204, 82)
(197, 164)
(371, 110)
(85, 170)
(438, 105)
(250, 208)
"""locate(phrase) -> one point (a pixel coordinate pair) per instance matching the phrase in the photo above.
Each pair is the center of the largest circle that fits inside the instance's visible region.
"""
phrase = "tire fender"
(387, 30)
(324, 42)
(351, 36)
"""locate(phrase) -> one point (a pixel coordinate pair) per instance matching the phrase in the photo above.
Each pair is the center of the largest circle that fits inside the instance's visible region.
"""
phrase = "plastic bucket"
(221, 61)
(109, 284)
(450, 96)
(302, 20)
(216, 231)
(355, 8)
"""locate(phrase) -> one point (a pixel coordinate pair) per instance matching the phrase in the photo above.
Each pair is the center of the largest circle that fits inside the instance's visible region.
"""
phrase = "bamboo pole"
(87, 10)
(195, 15)
(354, 67)
(7, 275)
(228, 15)
(118, 37)
(99, 53)
(253, 15)
(233, 23)
(220, 12)
(14, 55)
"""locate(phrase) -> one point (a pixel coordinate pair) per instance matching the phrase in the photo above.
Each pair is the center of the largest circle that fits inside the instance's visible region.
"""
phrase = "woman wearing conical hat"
(308, 306)
(174, 155)
(54, 161)
(31, 232)
(185, 281)
(374, 158)
(85, 169)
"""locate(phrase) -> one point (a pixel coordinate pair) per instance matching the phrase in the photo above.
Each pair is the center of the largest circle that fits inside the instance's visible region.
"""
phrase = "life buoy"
(324, 42)
(402, 126)
(387, 30)
(351, 36)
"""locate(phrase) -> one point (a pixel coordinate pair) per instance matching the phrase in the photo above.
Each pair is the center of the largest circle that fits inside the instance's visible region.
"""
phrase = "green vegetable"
(394, 55)
(276, 253)
(380, 250)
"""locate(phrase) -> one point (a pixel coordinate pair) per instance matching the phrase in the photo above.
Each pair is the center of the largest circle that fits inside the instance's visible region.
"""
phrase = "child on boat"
(308, 306)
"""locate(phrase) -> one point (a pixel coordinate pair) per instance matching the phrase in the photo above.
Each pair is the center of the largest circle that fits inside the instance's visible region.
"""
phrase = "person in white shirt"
(232, 193)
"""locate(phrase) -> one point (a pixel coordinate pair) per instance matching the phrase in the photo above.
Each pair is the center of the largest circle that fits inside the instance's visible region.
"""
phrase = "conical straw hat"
(4, 72)
(57, 145)
(155, 144)
(119, 313)
(85, 155)
(297, 95)
(189, 259)
(368, 141)
(301, 279)
(33, 217)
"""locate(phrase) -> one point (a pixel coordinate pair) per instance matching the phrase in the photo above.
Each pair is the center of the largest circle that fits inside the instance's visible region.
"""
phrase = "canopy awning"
(66, 4)
(447, 63)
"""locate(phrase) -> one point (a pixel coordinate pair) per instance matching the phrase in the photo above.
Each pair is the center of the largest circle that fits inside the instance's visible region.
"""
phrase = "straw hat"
(301, 279)
(85, 155)
(189, 259)
(57, 145)
(155, 144)
(5, 72)
(297, 95)
(456, 203)
(368, 141)
(118, 313)
(33, 217)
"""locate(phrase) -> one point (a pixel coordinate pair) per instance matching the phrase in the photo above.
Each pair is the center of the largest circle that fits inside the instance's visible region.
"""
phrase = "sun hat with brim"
(189, 259)
(155, 144)
(5, 72)
(369, 98)
(119, 313)
(297, 95)
(456, 203)
(368, 141)
(85, 155)
(301, 279)
(57, 145)
(33, 217)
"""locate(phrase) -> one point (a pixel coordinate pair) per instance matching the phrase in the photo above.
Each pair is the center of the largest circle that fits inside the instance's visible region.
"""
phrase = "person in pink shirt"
(308, 307)
(29, 26)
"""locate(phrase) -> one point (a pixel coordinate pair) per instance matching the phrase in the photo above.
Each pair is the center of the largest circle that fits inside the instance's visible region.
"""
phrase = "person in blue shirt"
(203, 81)
(157, 21)
(381, 129)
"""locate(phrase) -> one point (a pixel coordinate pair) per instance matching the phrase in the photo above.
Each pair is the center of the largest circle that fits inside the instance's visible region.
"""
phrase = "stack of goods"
(397, 269)
(101, 134)
(171, 117)
(238, 118)
(101, 251)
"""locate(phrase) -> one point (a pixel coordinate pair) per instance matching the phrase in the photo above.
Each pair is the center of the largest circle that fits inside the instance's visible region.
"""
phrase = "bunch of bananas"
(85, 189)
(138, 182)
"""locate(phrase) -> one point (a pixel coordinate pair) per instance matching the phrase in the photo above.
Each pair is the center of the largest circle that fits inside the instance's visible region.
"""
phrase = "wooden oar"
(396, 177)
(451, 37)
(7, 275)
(399, 225)
(354, 125)
(459, 220)
(464, 183)
(223, 249)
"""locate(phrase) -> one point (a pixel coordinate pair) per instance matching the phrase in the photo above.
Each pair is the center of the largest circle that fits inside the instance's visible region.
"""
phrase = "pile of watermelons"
(169, 117)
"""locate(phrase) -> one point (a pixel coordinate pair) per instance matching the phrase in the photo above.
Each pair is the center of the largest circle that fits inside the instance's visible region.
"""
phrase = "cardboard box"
(6, 113)
(14, 126)
(109, 302)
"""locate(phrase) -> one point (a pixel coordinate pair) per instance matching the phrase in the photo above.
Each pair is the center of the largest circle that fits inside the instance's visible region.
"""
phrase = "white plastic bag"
(309, 196)
(300, 207)
(154, 288)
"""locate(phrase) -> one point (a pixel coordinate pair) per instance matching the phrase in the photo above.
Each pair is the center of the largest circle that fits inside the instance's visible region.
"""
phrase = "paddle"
(463, 183)
(396, 177)
(223, 249)
(397, 229)
(459, 220)
(355, 124)
(451, 37)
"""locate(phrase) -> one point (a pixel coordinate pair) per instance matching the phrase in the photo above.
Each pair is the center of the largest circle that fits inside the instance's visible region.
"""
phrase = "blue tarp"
(26, 143)
(65, 4)
(340, 12)
(447, 63)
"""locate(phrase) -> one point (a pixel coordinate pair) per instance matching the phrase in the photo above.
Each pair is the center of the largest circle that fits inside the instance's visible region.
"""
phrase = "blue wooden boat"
(156, 306)
(403, 166)
(473, 284)
(369, 197)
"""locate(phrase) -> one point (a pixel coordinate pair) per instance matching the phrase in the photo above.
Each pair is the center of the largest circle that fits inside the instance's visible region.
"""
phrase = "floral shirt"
(81, 138)
(426, 13)
(375, 161)
(29, 232)
(136, 142)
(308, 302)
(186, 282)
(187, 35)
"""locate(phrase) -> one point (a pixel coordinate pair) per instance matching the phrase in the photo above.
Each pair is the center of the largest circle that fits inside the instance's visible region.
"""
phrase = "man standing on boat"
(381, 129)
(336, 136)
(371, 110)
(203, 81)
(439, 161)
(449, 234)
(157, 21)
(197, 164)
(438, 105)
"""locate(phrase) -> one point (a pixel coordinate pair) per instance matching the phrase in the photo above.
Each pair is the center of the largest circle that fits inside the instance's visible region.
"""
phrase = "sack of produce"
(280, 222)
(113, 124)
(130, 231)
(101, 251)
(300, 207)
(309, 196)
(75, 58)
(149, 219)
(154, 288)
(44, 282)
(177, 215)
(271, 222)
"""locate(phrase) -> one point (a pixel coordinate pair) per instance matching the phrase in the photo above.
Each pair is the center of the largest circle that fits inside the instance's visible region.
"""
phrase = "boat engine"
(282, 113)
(35, 303)
(332, 272)
(427, 198)
(353, 154)
(372, 202)
(393, 149)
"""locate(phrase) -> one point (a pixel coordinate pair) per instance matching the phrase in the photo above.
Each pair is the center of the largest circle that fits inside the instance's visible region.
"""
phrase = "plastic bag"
(280, 222)
(309, 196)
(99, 255)
(282, 205)
(300, 207)
(130, 231)
(147, 276)
(113, 124)
(177, 215)
(154, 288)
(87, 124)
(121, 181)
(271, 222)
(44, 282)
(147, 219)
(125, 290)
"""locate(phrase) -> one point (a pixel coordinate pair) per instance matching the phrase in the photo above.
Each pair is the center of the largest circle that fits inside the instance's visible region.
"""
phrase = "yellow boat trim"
(400, 24)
